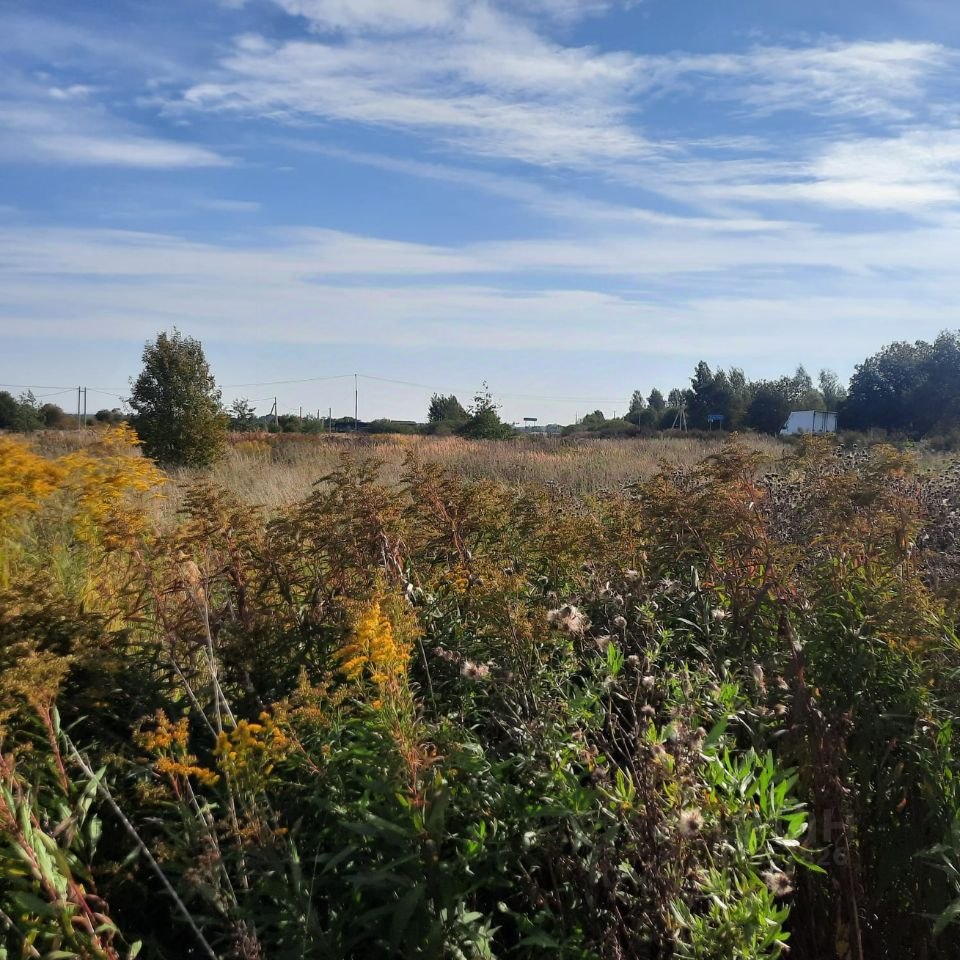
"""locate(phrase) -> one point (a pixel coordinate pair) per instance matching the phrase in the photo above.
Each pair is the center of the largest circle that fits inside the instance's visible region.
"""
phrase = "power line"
(56, 393)
(278, 383)
(37, 386)
(112, 392)
(499, 393)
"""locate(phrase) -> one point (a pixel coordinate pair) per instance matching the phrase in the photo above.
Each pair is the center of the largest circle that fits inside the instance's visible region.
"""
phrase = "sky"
(565, 199)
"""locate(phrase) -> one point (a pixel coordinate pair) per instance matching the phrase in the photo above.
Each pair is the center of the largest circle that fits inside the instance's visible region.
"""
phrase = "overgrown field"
(274, 470)
(446, 707)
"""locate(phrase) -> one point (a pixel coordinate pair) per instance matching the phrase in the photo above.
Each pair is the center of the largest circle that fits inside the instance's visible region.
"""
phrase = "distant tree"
(739, 398)
(446, 408)
(27, 416)
(445, 414)
(109, 416)
(701, 395)
(882, 389)
(243, 417)
(676, 398)
(803, 394)
(311, 425)
(392, 426)
(834, 393)
(484, 421)
(53, 416)
(655, 401)
(176, 403)
(597, 425)
(8, 410)
(593, 421)
(640, 413)
(770, 405)
(290, 423)
(935, 399)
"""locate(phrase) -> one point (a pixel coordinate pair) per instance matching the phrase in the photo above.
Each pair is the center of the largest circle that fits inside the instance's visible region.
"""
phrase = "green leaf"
(713, 737)
(401, 916)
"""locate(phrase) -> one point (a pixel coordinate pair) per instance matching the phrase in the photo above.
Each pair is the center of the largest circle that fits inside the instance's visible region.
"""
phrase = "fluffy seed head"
(778, 883)
(569, 618)
(691, 823)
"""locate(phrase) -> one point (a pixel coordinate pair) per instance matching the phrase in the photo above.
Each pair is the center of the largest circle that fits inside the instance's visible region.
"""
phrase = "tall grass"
(276, 471)
(464, 711)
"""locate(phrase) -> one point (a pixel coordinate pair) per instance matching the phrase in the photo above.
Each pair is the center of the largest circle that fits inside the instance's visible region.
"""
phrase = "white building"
(809, 421)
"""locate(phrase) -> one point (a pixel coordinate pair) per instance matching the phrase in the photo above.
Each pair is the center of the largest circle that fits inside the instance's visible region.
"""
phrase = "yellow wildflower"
(374, 649)
(249, 751)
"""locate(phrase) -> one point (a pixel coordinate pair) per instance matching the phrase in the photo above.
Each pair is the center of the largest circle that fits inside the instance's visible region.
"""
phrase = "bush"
(707, 717)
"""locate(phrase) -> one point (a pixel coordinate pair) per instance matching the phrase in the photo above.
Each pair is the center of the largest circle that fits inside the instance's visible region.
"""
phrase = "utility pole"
(84, 408)
(79, 391)
(330, 420)
(276, 415)
(356, 402)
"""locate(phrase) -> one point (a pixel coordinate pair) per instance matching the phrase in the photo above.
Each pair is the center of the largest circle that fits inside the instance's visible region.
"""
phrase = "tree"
(935, 399)
(109, 416)
(8, 410)
(700, 397)
(445, 415)
(27, 417)
(593, 421)
(484, 421)
(882, 389)
(447, 409)
(770, 405)
(834, 393)
(243, 417)
(656, 401)
(676, 398)
(803, 394)
(53, 416)
(176, 403)
(639, 414)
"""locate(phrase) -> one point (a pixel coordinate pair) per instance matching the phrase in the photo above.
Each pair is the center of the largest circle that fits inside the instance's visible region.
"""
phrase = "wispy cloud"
(486, 83)
(491, 91)
(732, 293)
(885, 80)
(60, 125)
(380, 16)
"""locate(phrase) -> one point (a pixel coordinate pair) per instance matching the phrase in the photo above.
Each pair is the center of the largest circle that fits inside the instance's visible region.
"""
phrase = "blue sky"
(569, 199)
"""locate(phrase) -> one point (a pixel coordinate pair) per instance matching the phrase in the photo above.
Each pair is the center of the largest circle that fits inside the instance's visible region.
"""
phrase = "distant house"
(809, 421)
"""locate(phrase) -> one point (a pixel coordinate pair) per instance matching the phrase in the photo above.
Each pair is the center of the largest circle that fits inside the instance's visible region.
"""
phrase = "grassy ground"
(275, 473)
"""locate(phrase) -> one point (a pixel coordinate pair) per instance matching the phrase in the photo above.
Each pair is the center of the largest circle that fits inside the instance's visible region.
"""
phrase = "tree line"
(911, 389)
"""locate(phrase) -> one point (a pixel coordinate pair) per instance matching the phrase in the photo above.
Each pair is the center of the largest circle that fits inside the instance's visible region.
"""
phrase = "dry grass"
(273, 472)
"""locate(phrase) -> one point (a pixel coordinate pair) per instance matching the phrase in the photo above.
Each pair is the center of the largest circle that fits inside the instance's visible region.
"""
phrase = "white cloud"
(144, 152)
(76, 91)
(304, 280)
(386, 16)
(550, 109)
(885, 80)
(915, 172)
(38, 125)
(488, 84)
(227, 205)
(656, 303)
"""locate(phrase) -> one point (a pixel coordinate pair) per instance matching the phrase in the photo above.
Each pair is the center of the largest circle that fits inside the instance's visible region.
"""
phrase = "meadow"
(676, 697)
(274, 470)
